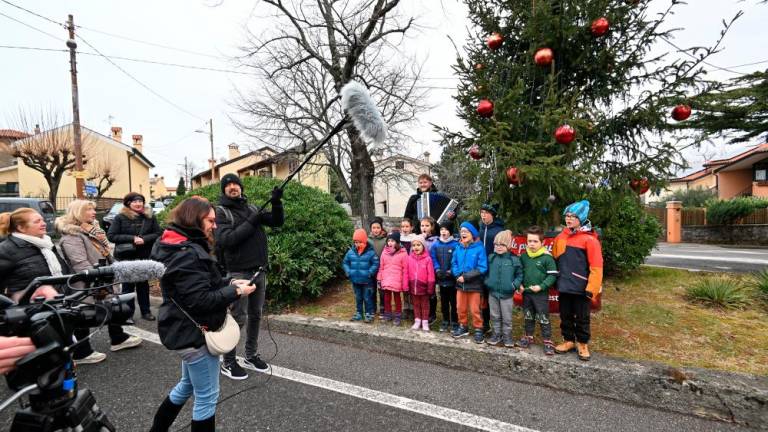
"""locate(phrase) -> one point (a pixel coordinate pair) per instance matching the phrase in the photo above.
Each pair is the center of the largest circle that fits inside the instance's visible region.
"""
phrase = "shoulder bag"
(221, 341)
(125, 251)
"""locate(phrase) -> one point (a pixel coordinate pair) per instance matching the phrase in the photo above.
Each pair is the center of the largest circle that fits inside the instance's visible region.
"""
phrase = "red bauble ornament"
(494, 41)
(600, 26)
(681, 112)
(640, 186)
(513, 176)
(543, 57)
(485, 108)
(475, 152)
(565, 134)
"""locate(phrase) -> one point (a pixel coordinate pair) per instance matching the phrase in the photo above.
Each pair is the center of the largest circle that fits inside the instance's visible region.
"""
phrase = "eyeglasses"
(571, 215)
(500, 244)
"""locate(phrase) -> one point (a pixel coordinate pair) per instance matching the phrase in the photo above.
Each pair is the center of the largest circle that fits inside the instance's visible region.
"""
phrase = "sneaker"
(396, 320)
(148, 316)
(444, 326)
(549, 348)
(131, 342)
(233, 371)
(385, 316)
(357, 317)
(368, 318)
(460, 331)
(493, 340)
(454, 326)
(525, 342)
(425, 325)
(94, 357)
(255, 363)
(509, 342)
(416, 324)
(479, 337)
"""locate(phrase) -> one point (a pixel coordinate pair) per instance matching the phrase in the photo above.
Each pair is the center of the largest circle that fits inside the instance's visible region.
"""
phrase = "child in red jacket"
(421, 281)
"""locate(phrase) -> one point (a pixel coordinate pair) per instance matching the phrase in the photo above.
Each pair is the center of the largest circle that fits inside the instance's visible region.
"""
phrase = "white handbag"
(221, 341)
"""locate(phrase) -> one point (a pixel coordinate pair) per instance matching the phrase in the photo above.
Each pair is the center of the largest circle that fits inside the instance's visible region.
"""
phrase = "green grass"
(723, 292)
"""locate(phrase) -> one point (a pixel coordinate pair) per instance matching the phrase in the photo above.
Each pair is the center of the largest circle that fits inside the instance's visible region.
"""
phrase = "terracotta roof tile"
(11, 133)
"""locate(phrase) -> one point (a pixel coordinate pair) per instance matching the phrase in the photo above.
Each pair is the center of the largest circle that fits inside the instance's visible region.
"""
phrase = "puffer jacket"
(442, 254)
(393, 269)
(421, 274)
(472, 263)
(361, 268)
(129, 224)
(579, 262)
(505, 273)
(21, 261)
(488, 234)
(193, 279)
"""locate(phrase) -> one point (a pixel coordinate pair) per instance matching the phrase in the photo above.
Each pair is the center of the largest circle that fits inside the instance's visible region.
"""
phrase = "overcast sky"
(108, 97)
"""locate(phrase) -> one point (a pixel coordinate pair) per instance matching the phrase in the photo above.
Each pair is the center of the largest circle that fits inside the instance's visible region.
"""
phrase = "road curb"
(732, 397)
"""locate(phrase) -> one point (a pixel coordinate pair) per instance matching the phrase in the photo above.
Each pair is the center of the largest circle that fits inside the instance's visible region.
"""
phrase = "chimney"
(426, 156)
(138, 142)
(117, 133)
(37, 129)
(234, 151)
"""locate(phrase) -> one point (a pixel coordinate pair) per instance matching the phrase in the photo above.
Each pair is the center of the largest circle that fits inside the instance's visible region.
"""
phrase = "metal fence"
(102, 204)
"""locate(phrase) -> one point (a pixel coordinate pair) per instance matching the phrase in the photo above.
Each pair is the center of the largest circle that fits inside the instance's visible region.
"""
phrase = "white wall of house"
(396, 184)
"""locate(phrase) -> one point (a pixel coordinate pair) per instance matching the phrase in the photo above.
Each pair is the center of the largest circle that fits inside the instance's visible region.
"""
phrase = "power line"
(154, 44)
(698, 59)
(32, 27)
(149, 89)
(33, 13)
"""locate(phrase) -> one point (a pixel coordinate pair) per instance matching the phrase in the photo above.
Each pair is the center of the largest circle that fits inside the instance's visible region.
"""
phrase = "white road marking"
(675, 268)
(719, 258)
(399, 402)
(723, 267)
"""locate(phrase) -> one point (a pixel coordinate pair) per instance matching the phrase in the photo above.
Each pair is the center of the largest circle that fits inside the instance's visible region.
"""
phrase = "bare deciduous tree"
(103, 174)
(305, 60)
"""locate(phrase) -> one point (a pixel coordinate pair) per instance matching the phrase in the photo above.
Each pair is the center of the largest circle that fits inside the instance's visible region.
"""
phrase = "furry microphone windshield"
(357, 103)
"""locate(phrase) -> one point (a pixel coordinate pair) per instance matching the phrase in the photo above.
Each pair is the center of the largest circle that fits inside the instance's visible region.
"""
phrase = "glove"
(277, 195)
(441, 274)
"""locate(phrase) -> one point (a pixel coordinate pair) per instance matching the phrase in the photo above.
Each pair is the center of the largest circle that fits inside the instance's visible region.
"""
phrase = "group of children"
(417, 265)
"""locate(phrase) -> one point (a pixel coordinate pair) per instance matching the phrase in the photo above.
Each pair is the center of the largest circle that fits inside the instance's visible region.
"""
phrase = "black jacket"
(193, 280)
(128, 224)
(21, 261)
(241, 243)
(437, 204)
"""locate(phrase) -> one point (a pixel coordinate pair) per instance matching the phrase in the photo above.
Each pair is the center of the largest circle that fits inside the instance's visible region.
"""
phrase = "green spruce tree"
(181, 189)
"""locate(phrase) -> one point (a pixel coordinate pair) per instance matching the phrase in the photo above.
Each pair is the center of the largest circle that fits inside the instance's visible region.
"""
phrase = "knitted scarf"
(98, 238)
(46, 248)
(542, 250)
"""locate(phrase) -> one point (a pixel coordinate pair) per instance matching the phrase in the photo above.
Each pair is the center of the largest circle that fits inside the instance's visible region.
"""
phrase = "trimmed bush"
(306, 252)
(729, 211)
(718, 292)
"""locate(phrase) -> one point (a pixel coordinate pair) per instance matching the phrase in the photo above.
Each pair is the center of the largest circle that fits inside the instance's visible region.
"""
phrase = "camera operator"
(12, 349)
(241, 247)
(192, 281)
(84, 244)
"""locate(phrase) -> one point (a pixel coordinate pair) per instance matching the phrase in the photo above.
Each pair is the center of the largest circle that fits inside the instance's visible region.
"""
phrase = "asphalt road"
(317, 386)
(709, 257)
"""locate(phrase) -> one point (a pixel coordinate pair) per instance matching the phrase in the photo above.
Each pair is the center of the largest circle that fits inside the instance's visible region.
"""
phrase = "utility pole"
(213, 158)
(79, 173)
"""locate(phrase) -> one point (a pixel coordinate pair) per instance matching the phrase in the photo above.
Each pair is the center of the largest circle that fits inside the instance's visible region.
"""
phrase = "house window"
(400, 164)
(761, 172)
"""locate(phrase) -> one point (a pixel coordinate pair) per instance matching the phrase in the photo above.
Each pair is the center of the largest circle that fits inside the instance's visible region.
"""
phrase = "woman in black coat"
(192, 284)
(136, 229)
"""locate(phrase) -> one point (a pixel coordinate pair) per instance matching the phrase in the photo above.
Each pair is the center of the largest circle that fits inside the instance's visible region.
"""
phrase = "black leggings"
(574, 317)
(448, 303)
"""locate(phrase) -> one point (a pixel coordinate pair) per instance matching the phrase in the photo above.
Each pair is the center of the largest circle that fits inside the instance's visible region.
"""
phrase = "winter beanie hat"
(230, 178)
(471, 228)
(504, 238)
(448, 226)
(361, 236)
(490, 208)
(131, 197)
(580, 209)
(394, 235)
(420, 238)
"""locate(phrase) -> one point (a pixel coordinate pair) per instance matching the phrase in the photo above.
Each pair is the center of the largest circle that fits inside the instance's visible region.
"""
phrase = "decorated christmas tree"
(567, 100)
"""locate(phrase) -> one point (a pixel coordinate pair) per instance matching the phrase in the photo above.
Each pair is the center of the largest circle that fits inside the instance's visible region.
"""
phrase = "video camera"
(48, 373)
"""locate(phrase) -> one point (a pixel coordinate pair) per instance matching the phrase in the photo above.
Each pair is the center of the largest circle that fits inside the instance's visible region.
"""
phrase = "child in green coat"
(504, 277)
(539, 274)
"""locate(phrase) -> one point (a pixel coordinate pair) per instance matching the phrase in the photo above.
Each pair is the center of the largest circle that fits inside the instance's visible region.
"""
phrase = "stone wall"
(389, 223)
(726, 234)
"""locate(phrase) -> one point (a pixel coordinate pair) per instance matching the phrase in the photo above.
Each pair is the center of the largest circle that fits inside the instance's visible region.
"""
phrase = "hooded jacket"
(421, 274)
(579, 262)
(487, 234)
(393, 269)
(241, 242)
(360, 268)
(504, 275)
(192, 278)
(129, 224)
(378, 243)
(442, 254)
(472, 263)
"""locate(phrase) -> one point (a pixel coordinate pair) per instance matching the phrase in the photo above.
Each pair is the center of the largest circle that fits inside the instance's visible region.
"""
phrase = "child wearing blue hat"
(469, 264)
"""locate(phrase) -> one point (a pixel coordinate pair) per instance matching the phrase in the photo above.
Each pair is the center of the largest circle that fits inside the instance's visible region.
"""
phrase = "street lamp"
(213, 159)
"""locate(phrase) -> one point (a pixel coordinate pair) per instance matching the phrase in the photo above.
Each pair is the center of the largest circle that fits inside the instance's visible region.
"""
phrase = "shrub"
(719, 292)
(697, 197)
(628, 232)
(759, 281)
(307, 250)
(729, 211)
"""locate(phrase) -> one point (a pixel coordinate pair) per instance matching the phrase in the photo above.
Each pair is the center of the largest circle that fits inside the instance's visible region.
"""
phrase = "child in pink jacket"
(393, 276)
(421, 281)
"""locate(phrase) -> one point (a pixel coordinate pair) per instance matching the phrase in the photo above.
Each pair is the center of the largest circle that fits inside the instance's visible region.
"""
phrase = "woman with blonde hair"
(85, 245)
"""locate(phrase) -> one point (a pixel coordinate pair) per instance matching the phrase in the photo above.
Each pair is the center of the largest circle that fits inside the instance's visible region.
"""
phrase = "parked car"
(157, 206)
(110, 216)
(168, 201)
(43, 206)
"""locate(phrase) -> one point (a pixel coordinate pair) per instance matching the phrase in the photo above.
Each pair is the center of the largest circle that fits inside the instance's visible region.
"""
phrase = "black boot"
(207, 425)
(165, 415)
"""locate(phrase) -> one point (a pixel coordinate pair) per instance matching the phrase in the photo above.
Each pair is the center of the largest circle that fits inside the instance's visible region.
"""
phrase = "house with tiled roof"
(745, 174)
(9, 185)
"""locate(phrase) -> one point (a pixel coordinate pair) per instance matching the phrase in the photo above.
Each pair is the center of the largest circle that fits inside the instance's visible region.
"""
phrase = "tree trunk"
(361, 179)
(53, 189)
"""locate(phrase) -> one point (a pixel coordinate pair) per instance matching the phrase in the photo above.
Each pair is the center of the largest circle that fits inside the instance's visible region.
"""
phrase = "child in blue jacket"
(469, 264)
(360, 265)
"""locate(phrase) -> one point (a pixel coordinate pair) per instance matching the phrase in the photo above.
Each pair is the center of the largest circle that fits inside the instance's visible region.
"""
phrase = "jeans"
(247, 310)
(536, 308)
(83, 350)
(364, 296)
(142, 296)
(501, 315)
(574, 317)
(448, 304)
(200, 377)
